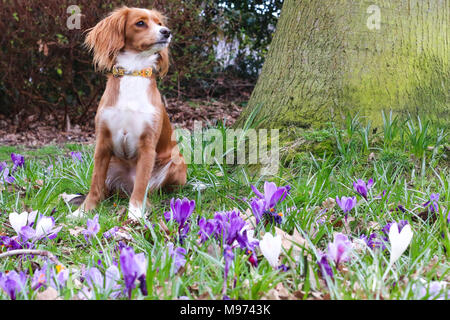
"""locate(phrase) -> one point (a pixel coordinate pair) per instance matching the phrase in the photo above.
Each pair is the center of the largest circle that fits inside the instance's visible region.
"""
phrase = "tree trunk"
(331, 57)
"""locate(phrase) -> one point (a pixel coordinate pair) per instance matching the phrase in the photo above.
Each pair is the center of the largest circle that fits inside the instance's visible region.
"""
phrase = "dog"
(135, 146)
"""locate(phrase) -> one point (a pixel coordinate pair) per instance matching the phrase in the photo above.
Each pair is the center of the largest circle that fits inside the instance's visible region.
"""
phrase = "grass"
(409, 170)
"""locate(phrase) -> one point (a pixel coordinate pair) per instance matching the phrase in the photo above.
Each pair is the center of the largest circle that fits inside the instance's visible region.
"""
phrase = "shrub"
(46, 68)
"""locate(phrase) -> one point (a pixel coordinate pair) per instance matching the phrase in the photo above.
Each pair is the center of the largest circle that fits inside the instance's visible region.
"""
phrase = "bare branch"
(44, 253)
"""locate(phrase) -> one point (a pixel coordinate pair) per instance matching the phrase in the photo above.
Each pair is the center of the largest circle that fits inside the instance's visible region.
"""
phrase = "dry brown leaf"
(48, 294)
(38, 184)
(373, 225)
(193, 287)
(278, 293)
(121, 212)
(67, 251)
(123, 234)
(204, 296)
(283, 293)
(76, 231)
(160, 290)
(164, 227)
(329, 203)
(298, 294)
(296, 241)
(315, 295)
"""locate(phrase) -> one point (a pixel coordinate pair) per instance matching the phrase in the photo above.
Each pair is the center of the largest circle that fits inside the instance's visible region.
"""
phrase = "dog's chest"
(130, 116)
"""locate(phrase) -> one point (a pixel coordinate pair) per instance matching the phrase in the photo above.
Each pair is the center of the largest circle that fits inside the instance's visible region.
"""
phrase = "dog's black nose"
(165, 32)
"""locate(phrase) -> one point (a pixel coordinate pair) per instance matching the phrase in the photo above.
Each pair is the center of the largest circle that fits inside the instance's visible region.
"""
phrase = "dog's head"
(131, 29)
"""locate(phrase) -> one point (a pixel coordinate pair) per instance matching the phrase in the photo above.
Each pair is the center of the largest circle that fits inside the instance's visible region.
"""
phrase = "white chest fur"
(133, 110)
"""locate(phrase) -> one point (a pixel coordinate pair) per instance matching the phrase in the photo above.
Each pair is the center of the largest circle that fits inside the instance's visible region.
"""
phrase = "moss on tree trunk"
(331, 57)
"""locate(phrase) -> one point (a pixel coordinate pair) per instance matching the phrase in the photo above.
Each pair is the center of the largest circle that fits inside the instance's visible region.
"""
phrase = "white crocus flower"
(399, 241)
(271, 248)
(18, 221)
(44, 226)
(22, 224)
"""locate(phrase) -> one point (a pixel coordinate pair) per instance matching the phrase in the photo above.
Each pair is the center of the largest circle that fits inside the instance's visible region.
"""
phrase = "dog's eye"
(140, 23)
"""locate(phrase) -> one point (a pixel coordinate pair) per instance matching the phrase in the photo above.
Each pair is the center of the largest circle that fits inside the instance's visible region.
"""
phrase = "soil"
(53, 130)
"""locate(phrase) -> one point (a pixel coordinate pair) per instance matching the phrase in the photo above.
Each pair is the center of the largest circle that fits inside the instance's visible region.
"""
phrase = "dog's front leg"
(144, 168)
(102, 156)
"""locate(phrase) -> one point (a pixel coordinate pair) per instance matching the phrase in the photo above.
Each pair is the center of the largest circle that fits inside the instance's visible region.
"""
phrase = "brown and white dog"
(134, 143)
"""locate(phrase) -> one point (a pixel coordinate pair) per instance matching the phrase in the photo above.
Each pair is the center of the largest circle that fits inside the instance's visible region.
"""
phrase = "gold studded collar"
(118, 71)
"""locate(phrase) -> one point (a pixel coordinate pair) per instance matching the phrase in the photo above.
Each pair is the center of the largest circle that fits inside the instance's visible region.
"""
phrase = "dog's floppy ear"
(107, 38)
(164, 62)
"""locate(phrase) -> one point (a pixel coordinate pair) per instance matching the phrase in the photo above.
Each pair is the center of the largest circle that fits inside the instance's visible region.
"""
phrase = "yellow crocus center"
(59, 268)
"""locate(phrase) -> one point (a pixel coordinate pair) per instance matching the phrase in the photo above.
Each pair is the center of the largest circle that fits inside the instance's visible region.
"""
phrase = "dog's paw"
(135, 213)
(79, 213)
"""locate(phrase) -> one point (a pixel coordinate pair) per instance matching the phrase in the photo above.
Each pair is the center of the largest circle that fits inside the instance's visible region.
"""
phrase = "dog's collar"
(118, 71)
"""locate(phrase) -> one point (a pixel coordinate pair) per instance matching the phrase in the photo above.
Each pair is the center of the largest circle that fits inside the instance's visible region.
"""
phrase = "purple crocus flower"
(283, 268)
(228, 226)
(324, 265)
(400, 208)
(10, 243)
(248, 244)
(93, 227)
(229, 256)
(258, 208)
(207, 228)
(374, 242)
(3, 165)
(6, 177)
(111, 232)
(76, 156)
(96, 283)
(245, 243)
(180, 211)
(134, 267)
(13, 283)
(39, 278)
(346, 204)
(178, 256)
(400, 225)
(432, 204)
(61, 277)
(434, 290)
(94, 278)
(18, 161)
(272, 194)
(362, 187)
(322, 217)
(339, 249)
(103, 285)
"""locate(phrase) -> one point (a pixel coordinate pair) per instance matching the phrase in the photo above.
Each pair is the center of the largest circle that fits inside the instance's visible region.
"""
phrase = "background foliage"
(45, 66)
